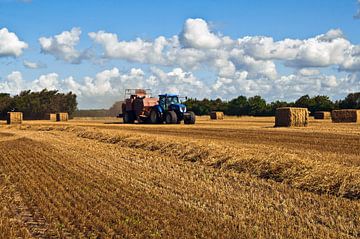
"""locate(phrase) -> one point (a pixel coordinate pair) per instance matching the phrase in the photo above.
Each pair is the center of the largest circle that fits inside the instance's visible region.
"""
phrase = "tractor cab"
(171, 102)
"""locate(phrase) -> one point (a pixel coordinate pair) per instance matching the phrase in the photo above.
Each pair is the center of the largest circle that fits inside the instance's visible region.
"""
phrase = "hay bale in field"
(50, 116)
(62, 117)
(216, 115)
(322, 115)
(14, 118)
(345, 116)
(290, 116)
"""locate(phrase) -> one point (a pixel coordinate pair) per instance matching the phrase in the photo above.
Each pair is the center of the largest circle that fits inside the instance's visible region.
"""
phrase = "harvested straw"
(345, 116)
(62, 117)
(14, 118)
(216, 115)
(50, 116)
(322, 115)
(290, 116)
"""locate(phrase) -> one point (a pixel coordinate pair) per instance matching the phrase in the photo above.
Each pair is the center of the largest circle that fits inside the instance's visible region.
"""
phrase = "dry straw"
(345, 116)
(62, 117)
(290, 116)
(50, 116)
(322, 115)
(214, 115)
(14, 117)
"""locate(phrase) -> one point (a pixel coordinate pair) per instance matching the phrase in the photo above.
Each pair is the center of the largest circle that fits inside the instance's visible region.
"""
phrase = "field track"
(237, 178)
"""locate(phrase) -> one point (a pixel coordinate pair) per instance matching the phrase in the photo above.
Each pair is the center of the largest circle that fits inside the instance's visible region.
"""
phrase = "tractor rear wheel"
(154, 117)
(171, 117)
(191, 119)
(128, 117)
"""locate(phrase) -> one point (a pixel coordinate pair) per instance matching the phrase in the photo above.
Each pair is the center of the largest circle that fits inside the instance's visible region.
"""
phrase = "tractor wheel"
(171, 117)
(128, 117)
(154, 117)
(191, 119)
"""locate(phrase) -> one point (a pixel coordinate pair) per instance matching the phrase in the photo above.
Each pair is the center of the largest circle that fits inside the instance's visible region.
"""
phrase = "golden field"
(231, 178)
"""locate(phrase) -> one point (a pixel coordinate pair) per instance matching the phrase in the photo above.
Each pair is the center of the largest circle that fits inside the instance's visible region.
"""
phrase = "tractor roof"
(168, 95)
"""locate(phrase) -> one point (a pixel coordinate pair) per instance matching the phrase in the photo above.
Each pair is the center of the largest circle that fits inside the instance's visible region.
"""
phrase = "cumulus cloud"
(13, 83)
(136, 51)
(63, 46)
(196, 34)
(33, 65)
(107, 86)
(248, 65)
(198, 48)
(286, 87)
(308, 72)
(10, 45)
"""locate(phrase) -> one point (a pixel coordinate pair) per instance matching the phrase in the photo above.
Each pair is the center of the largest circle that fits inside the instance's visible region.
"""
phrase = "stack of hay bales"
(345, 116)
(322, 115)
(215, 115)
(62, 117)
(290, 116)
(14, 118)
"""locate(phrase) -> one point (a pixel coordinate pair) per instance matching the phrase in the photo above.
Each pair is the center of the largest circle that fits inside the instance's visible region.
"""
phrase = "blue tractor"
(171, 111)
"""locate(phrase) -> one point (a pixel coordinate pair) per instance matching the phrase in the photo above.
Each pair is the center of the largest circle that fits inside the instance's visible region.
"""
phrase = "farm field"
(232, 178)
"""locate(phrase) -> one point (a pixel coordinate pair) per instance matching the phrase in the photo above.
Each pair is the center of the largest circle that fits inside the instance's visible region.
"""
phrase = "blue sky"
(148, 20)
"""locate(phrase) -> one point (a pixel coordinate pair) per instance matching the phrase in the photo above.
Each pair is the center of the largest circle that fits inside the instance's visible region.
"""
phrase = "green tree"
(237, 106)
(6, 104)
(257, 105)
(351, 101)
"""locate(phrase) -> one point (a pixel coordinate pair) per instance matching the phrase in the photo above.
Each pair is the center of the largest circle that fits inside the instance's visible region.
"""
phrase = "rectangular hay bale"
(62, 117)
(322, 115)
(50, 116)
(345, 116)
(291, 116)
(215, 115)
(14, 118)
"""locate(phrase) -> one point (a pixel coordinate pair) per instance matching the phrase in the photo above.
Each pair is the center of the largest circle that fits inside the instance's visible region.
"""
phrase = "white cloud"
(33, 65)
(10, 45)
(197, 48)
(13, 83)
(286, 87)
(49, 81)
(308, 72)
(196, 34)
(62, 46)
(228, 67)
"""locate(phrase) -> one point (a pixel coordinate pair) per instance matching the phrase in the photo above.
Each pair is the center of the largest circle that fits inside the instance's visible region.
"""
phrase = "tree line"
(113, 111)
(37, 105)
(257, 106)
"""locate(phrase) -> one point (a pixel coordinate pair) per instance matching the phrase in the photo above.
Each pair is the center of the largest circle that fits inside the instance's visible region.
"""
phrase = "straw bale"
(62, 117)
(291, 116)
(216, 115)
(345, 116)
(322, 115)
(14, 117)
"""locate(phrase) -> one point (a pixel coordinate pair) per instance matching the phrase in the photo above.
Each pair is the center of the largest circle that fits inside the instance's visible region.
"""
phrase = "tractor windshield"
(172, 100)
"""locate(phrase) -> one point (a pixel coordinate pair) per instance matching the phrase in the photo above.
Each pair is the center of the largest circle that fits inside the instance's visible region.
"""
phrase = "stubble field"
(235, 178)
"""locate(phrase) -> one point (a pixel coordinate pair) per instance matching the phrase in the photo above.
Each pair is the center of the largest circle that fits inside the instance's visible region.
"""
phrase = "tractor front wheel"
(190, 119)
(171, 117)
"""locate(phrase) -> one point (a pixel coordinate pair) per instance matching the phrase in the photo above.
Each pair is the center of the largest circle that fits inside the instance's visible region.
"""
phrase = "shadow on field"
(117, 122)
